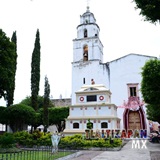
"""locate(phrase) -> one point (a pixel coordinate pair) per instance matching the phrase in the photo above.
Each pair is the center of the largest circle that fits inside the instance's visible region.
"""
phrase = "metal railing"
(38, 153)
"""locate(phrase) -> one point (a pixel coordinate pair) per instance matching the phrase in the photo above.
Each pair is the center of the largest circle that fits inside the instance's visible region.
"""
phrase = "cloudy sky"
(122, 31)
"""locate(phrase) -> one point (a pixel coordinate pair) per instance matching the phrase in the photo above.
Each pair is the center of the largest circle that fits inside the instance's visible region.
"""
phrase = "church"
(107, 93)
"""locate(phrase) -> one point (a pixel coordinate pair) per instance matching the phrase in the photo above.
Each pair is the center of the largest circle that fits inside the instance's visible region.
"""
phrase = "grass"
(33, 155)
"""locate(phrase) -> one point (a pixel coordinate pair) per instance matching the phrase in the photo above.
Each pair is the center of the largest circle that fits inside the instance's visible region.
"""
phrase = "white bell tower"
(88, 55)
(87, 46)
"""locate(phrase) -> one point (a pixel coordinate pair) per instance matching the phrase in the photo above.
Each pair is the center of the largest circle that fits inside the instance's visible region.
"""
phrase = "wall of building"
(61, 102)
(88, 70)
(123, 71)
(2, 127)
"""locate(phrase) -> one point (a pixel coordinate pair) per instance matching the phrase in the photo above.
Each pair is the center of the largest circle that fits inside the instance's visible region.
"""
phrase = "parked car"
(154, 136)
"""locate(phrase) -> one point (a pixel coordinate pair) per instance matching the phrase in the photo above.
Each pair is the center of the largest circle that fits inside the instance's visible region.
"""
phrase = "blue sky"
(122, 31)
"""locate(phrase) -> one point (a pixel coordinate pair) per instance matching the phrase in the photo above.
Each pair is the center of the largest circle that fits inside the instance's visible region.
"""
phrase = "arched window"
(75, 125)
(85, 53)
(85, 33)
(104, 125)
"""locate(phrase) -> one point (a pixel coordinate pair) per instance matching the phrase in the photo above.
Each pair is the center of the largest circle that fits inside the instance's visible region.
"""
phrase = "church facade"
(121, 77)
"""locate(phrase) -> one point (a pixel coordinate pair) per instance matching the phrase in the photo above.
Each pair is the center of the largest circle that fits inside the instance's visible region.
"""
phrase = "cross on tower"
(88, 5)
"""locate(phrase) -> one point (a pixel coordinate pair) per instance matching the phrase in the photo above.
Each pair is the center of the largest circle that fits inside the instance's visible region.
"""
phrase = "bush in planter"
(117, 142)
(44, 140)
(7, 140)
(23, 138)
(77, 142)
(98, 143)
(71, 142)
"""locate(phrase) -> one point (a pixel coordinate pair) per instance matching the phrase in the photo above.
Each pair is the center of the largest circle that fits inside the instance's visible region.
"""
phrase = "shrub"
(36, 138)
(77, 142)
(7, 140)
(37, 134)
(23, 138)
(71, 142)
(44, 140)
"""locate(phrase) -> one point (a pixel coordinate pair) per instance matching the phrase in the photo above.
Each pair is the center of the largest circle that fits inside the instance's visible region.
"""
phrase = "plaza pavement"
(152, 152)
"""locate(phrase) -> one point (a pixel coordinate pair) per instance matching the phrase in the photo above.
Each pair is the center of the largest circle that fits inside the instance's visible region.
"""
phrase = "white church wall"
(89, 111)
(94, 125)
(123, 71)
(85, 125)
(76, 111)
(88, 70)
(104, 111)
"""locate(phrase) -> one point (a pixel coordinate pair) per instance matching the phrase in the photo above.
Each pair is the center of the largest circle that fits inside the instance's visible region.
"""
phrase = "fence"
(43, 153)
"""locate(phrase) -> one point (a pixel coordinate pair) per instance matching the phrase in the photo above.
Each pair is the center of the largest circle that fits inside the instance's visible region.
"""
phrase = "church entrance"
(134, 121)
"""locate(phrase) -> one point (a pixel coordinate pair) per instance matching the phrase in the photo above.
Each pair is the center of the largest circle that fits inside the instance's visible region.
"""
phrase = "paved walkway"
(151, 152)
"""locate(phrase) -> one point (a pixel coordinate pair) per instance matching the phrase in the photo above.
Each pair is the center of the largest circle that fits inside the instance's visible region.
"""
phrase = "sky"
(122, 31)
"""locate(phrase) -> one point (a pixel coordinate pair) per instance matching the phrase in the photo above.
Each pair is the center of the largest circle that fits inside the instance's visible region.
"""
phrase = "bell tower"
(87, 46)
(87, 55)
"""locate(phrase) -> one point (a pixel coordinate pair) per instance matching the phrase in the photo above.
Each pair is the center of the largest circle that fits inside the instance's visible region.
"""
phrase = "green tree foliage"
(40, 101)
(57, 115)
(153, 112)
(150, 88)
(3, 118)
(150, 9)
(10, 93)
(19, 115)
(150, 85)
(35, 71)
(89, 124)
(39, 114)
(46, 104)
(7, 63)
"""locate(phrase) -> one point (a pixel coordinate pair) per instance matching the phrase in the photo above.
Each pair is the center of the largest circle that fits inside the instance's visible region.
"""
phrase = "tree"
(39, 113)
(150, 9)
(46, 104)
(89, 124)
(40, 101)
(19, 116)
(35, 71)
(153, 112)
(3, 119)
(150, 87)
(7, 61)
(57, 116)
(10, 93)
